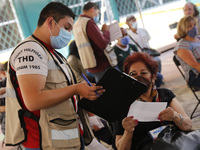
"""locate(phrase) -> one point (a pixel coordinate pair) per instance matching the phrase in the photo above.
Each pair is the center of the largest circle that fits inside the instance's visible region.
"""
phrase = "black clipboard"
(121, 91)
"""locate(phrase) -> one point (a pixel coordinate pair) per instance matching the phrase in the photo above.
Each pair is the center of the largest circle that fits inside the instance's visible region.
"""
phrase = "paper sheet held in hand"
(115, 31)
(3, 96)
(95, 120)
(146, 111)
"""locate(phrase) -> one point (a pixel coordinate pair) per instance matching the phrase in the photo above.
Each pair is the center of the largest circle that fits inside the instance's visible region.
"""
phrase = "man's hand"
(105, 28)
(86, 91)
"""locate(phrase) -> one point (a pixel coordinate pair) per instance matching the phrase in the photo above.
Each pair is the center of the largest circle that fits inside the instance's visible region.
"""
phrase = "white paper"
(95, 120)
(3, 95)
(115, 31)
(146, 111)
(95, 145)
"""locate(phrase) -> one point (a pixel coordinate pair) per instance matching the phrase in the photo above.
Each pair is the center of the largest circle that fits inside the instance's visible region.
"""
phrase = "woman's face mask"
(193, 32)
(125, 40)
(144, 80)
(62, 40)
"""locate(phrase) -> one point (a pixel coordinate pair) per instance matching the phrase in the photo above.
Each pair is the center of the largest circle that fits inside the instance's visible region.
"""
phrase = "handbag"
(110, 55)
(150, 51)
(172, 138)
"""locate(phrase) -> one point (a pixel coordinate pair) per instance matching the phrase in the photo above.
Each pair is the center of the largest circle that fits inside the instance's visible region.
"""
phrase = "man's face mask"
(134, 25)
(96, 18)
(193, 32)
(144, 80)
(125, 40)
(62, 40)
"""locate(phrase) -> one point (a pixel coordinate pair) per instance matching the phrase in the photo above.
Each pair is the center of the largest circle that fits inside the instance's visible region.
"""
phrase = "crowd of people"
(43, 87)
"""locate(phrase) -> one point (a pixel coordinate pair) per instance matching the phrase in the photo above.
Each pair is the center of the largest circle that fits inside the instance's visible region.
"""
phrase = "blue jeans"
(193, 80)
(82, 144)
(159, 62)
(159, 79)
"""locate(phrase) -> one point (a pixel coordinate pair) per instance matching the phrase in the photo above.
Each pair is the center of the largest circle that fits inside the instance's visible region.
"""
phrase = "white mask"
(134, 25)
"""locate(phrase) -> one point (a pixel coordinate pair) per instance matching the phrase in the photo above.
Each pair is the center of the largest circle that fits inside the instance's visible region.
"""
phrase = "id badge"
(154, 133)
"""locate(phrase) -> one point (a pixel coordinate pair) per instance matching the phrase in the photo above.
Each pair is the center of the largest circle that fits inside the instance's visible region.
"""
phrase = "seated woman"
(131, 134)
(188, 50)
(191, 9)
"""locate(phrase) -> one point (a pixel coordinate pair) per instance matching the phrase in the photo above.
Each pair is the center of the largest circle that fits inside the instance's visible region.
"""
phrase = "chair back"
(178, 65)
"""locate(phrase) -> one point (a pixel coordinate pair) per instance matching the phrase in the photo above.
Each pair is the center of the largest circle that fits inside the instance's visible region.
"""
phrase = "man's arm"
(35, 97)
(99, 38)
(32, 73)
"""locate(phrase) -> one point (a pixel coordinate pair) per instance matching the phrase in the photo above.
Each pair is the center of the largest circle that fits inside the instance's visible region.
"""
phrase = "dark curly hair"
(151, 64)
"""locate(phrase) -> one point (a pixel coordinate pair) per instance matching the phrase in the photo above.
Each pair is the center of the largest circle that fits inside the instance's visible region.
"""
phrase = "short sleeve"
(182, 44)
(29, 58)
(166, 95)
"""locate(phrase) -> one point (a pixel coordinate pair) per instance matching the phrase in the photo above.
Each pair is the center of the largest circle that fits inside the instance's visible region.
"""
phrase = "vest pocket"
(62, 122)
(64, 132)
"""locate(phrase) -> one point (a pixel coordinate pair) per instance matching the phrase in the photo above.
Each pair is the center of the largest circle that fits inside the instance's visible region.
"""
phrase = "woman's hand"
(167, 115)
(89, 92)
(2, 91)
(96, 128)
(129, 124)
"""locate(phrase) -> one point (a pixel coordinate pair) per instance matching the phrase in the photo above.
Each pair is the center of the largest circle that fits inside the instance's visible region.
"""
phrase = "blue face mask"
(125, 40)
(62, 40)
(193, 32)
(96, 19)
(134, 25)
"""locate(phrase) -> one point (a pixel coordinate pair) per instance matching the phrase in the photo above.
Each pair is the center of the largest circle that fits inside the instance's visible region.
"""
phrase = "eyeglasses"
(135, 74)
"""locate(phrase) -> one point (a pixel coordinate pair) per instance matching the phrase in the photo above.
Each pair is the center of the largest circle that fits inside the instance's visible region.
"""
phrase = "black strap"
(29, 114)
(135, 42)
(59, 56)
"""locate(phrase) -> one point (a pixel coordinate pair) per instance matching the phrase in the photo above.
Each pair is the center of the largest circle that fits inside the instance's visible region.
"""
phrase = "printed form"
(146, 111)
(115, 31)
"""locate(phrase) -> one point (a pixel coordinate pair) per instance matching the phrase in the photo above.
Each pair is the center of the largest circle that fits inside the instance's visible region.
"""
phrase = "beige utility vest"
(85, 50)
(59, 124)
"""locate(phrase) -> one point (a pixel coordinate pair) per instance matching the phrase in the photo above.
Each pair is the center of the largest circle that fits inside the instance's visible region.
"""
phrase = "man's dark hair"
(89, 5)
(56, 10)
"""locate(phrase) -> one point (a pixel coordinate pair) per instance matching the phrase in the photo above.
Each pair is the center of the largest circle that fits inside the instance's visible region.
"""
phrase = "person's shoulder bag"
(150, 51)
(110, 55)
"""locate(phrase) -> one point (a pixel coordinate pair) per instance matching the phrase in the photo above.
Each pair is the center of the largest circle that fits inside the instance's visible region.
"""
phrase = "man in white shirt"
(140, 36)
